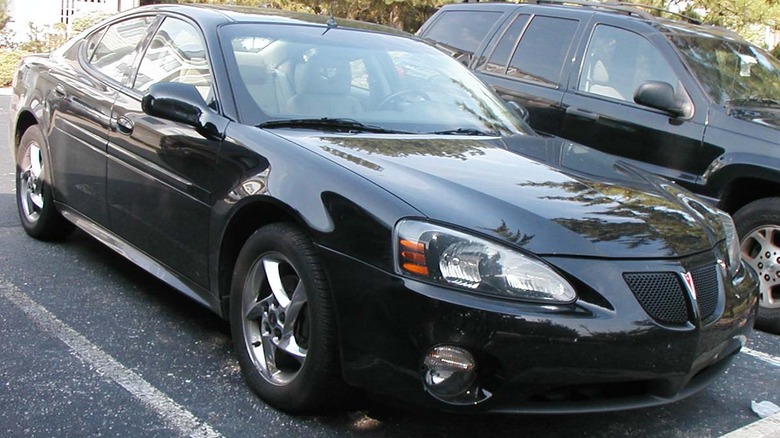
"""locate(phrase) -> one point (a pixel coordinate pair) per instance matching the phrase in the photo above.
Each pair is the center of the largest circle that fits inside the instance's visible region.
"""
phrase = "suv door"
(159, 171)
(529, 63)
(600, 110)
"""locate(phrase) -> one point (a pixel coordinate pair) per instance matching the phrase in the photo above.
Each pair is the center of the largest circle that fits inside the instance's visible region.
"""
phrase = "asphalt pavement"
(94, 346)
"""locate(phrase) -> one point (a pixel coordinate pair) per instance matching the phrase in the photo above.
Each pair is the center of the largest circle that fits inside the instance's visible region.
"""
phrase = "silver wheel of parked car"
(34, 200)
(31, 184)
(283, 323)
(276, 326)
(761, 250)
(758, 225)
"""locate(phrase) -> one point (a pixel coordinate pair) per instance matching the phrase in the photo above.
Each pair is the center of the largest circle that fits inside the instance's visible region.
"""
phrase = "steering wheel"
(394, 96)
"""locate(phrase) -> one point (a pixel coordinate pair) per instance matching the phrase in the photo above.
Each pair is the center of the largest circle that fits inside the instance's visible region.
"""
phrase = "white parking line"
(768, 358)
(176, 416)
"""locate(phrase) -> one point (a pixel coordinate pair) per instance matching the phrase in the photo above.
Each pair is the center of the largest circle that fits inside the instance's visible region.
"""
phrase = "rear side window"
(114, 55)
(506, 46)
(542, 51)
(461, 32)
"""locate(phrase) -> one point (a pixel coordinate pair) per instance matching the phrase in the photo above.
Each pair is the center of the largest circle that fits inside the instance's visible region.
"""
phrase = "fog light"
(450, 375)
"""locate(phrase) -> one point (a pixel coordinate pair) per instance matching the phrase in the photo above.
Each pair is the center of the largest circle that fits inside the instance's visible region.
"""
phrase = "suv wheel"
(758, 225)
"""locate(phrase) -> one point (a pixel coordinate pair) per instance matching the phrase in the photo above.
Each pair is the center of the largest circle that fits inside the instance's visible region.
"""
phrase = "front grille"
(705, 278)
(660, 294)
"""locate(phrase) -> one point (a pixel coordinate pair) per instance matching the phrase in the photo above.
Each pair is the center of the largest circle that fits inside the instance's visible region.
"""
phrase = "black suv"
(694, 103)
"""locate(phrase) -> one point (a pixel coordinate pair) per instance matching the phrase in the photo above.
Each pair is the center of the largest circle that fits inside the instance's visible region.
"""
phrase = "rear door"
(160, 172)
(83, 94)
(529, 63)
(600, 110)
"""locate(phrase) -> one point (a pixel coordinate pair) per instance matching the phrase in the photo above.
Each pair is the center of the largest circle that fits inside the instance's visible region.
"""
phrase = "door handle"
(59, 91)
(123, 125)
(576, 112)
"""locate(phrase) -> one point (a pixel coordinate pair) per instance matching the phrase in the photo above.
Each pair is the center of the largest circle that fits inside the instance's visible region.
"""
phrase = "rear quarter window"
(461, 32)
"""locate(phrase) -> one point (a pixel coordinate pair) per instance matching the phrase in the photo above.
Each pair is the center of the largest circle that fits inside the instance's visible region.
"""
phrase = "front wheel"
(282, 321)
(758, 225)
(37, 212)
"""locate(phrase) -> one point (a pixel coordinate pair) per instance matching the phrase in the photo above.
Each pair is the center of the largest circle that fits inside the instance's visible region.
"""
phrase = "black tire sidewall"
(319, 376)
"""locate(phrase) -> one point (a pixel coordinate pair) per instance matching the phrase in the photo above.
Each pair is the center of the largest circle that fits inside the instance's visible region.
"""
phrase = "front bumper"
(601, 353)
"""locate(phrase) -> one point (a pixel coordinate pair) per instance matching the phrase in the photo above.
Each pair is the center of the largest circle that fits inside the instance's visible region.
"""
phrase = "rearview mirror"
(659, 95)
(183, 103)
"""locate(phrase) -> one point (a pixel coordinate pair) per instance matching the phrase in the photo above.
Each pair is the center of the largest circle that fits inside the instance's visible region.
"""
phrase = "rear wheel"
(40, 218)
(282, 322)
(758, 225)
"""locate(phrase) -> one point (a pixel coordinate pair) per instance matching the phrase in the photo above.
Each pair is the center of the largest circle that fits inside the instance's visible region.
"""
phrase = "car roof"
(219, 14)
(630, 11)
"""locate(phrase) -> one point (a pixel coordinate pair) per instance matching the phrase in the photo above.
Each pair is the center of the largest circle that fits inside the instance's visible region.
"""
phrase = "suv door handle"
(123, 125)
(576, 112)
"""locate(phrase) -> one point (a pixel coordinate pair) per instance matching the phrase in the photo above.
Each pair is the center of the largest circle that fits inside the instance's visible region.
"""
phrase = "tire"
(285, 340)
(758, 225)
(35, 203)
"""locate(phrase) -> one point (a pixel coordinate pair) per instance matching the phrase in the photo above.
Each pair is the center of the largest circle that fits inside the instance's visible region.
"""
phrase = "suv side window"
(461, 32)
(113, 56)
(542, 51)
(176, 54)
(497, 63)
(618, 61)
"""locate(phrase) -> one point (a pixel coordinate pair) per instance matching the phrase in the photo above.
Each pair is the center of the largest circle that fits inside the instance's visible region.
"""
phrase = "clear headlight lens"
(450, 257)
(733, 251)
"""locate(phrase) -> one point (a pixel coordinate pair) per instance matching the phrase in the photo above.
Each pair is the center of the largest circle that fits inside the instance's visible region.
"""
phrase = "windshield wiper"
(758, 100)
(464, 131)
(329, 124)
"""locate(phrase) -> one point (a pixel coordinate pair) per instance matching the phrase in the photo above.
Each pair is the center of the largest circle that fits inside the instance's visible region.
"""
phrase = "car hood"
(768, 115)
(546, 195)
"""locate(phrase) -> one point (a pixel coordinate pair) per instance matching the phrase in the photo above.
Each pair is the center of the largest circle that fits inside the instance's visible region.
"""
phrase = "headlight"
(733, 251)
(441, 255)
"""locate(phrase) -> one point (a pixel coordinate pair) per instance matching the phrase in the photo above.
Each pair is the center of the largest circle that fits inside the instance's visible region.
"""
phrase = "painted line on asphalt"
(768, 358)
(176, 416)
(768, 427)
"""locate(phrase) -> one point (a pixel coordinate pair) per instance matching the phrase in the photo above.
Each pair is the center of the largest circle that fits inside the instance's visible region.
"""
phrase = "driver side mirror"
(660, 96)
(183, 103)
(520, 110)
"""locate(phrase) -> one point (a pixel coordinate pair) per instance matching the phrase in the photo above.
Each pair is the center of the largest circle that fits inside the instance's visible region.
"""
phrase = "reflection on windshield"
(374, 79)
(731, 71)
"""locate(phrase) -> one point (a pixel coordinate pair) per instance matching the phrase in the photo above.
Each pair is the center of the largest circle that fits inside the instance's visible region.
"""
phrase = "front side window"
(114, 54)
(541, 54)
(731, 72)
(176, 54)
(396, 83)
(618, 61)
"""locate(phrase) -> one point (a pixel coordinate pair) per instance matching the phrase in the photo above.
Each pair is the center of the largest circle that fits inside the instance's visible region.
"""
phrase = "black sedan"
(367, 214)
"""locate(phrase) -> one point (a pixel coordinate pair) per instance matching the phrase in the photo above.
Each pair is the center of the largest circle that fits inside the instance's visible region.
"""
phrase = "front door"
(160, 172)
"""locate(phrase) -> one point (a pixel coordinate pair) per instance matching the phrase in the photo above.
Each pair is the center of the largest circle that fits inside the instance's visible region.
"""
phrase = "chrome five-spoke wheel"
(31, 181)
(283, 323)
(276, 326)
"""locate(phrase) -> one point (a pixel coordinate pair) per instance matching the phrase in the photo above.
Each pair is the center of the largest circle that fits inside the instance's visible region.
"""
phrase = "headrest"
(326, 75)
(252, 69)
(600, 73)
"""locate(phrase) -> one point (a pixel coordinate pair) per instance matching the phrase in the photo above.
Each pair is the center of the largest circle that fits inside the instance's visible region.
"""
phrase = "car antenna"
(331, 23)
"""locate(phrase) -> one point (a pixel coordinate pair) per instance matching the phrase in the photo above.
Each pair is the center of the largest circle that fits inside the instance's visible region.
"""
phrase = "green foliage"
(9, 60)
(44, 38)
(82, 22)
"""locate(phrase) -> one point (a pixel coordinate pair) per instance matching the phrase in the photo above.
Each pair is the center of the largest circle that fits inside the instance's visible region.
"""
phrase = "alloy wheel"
(275, 318)
(761, 250)
(31, 184)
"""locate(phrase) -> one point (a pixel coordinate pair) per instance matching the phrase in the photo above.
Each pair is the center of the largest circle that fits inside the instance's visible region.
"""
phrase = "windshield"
(731, 71)
(284, 72)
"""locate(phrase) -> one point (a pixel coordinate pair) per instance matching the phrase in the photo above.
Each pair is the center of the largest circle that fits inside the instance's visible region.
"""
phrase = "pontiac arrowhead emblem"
(689, 283)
